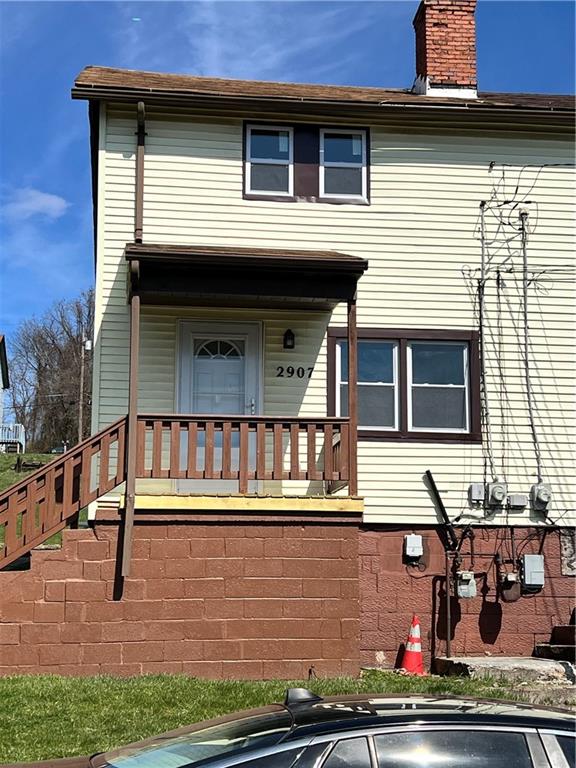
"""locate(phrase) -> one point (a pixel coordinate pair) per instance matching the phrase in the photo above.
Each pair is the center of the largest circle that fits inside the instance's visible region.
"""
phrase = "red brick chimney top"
(446, 48)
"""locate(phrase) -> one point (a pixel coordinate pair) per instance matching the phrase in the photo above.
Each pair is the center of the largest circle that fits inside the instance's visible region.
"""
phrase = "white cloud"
(27, 202)
(40, 264)
(250, 39)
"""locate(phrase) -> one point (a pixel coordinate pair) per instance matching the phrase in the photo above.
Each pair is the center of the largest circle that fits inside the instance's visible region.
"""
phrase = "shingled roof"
(289, 258)
(96, 82)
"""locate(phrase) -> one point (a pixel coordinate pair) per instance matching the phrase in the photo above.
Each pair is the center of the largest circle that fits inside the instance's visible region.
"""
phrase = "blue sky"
(45, 203)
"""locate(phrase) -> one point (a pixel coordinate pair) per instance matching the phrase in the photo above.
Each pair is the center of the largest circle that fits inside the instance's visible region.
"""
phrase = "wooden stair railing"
(49, 499)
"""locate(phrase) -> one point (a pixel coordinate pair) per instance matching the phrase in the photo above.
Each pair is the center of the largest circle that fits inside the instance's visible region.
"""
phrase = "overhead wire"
(500, 248)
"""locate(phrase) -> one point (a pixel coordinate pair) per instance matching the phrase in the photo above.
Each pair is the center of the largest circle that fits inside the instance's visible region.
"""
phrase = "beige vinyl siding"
(160, 356)
(419, 235)
(281, 396)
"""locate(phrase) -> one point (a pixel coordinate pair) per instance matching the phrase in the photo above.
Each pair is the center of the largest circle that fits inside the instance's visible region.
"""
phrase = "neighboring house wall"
(420, 237)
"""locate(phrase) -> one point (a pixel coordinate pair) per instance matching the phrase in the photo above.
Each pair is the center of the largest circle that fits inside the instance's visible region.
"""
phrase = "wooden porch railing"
(244, 449)
(50, 499)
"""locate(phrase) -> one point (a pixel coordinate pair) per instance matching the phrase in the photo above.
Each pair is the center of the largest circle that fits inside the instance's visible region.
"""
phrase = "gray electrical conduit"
(528, 383)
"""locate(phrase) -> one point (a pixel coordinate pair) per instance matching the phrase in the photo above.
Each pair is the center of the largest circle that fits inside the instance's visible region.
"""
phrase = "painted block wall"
(222, 600)
(391, 592)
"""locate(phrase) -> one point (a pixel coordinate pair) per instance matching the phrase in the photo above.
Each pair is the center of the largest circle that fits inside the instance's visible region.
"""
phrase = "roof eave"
(181, 98)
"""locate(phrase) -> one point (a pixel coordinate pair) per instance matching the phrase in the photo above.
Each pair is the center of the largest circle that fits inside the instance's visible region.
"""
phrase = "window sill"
(274, 198)
(342, 200)
(419, 437)
(304, 199)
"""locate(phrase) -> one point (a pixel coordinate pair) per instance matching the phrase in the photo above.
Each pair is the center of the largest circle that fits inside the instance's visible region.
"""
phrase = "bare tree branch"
(45, 364)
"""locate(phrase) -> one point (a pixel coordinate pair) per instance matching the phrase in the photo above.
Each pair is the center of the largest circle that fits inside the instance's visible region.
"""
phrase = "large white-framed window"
(438, 384)
(377, 383)
(343, 164)
(269, 153)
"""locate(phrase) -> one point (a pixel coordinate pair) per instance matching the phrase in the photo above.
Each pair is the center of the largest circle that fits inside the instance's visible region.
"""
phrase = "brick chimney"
(446, 48)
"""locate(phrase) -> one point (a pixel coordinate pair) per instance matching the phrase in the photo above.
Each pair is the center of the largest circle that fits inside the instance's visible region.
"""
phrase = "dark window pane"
(453, 749)
(438, 408)
(568, 747)
(344, 359)
(343, 147)
(277, 760)
(343, 181)
(349, 753)
(438, 363)
(375, 361)
(269, 145)
(375, 405)
(268, 178)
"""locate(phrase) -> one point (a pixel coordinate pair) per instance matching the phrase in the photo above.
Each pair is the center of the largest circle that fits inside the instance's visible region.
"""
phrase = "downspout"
(139, 197)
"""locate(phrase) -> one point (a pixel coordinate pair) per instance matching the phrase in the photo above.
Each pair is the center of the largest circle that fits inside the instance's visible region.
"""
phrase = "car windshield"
(203, 745)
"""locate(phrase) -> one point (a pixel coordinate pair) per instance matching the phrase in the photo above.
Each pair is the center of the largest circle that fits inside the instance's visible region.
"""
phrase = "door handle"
(252, 406)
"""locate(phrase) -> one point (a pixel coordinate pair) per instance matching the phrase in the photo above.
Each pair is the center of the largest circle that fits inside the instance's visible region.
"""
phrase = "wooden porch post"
(134, 276)
(353, 397)
(132, 432)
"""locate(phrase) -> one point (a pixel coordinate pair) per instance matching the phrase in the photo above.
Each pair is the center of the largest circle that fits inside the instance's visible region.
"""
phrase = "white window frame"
(363, 164)
(271, 161)
(465, 386)
(395, 383)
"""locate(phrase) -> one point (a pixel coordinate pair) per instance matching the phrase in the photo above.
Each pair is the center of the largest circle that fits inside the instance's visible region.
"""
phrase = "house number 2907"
(288, 372)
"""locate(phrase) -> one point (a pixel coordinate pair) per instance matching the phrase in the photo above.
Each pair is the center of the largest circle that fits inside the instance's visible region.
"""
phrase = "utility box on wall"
(533, 572)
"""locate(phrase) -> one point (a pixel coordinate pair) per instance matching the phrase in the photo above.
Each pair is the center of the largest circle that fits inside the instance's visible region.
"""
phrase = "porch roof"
(240, 276)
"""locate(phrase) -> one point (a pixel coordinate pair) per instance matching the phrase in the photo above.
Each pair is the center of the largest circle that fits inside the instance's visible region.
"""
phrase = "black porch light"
(289, 340)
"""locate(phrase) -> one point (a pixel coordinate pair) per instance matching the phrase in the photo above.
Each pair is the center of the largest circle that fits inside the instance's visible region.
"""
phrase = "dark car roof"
(339, 713)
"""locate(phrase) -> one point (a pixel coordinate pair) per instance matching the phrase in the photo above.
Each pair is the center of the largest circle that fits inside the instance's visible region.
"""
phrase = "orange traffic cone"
(412, 663)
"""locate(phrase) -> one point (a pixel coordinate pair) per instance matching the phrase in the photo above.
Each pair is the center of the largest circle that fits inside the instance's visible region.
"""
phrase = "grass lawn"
(9, 477)
(7, 461)
(48, 716)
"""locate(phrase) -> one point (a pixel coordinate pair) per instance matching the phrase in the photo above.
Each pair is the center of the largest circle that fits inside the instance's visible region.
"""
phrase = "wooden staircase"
(50, 499)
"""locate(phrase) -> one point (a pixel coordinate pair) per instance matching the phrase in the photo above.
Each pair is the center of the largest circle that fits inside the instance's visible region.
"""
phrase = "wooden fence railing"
(243, 449)
(50, 498)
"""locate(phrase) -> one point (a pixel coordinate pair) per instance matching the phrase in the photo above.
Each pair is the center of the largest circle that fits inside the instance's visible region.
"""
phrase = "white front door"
(220, 366)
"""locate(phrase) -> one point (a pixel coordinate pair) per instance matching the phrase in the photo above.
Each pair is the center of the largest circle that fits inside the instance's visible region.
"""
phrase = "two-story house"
(334, 340)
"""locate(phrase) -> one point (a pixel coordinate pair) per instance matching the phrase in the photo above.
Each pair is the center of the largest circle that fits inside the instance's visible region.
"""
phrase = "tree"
(47, 356)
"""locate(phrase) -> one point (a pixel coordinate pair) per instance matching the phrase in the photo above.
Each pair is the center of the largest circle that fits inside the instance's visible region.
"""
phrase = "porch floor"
(250, 502)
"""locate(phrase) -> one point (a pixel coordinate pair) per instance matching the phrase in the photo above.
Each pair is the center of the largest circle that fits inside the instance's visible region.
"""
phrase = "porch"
(248, 452)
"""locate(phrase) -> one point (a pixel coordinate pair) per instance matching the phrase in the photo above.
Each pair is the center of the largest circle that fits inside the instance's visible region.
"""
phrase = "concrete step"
(516, 669)
(557, 651)
(564, 635)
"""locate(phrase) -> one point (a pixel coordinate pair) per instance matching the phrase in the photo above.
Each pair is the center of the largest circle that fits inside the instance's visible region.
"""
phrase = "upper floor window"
(306, 162)
(269, 160)
(343, 164)
(411, 384)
